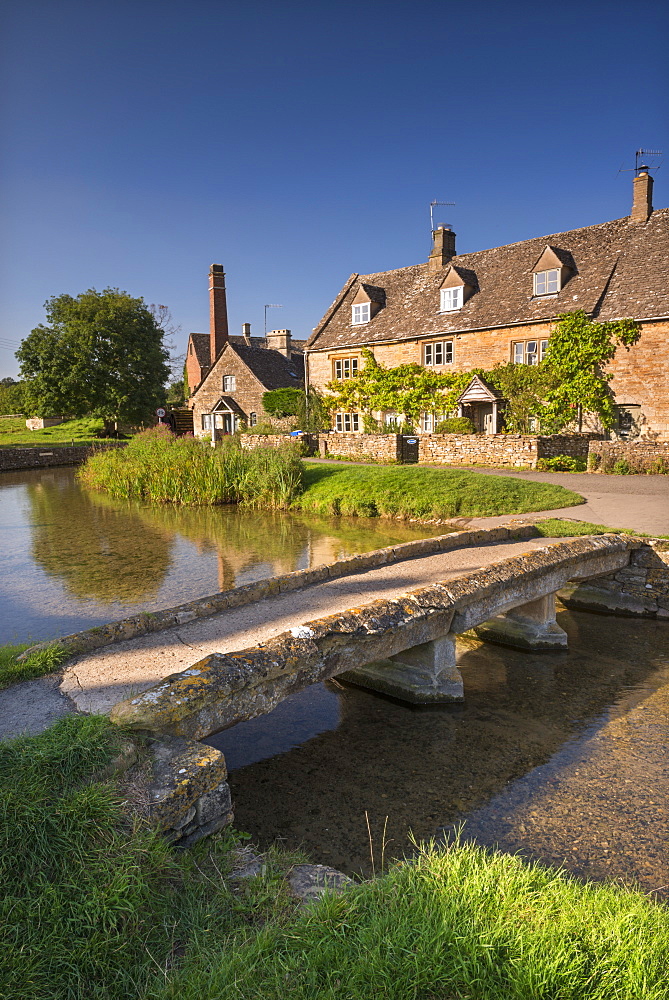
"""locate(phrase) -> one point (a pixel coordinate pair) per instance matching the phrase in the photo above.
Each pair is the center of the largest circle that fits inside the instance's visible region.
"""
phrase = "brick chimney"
(246, 333)
(642, 205)
(218, 312)
(443, 248)
(279, 340)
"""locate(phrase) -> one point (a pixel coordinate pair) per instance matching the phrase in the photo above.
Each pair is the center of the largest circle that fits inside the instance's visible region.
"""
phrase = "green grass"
(408, 491)
(13, 431)
(555, 527)
(158, 467)
(96, 906)
(44, 661)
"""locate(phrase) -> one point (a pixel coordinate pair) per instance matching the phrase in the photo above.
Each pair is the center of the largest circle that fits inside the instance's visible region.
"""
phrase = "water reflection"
(592, 720)
(72, 559)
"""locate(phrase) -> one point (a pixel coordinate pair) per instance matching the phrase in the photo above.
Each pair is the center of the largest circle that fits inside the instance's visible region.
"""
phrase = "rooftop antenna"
(432, 204)
(639, 157)
(639, 164)
(270, 305)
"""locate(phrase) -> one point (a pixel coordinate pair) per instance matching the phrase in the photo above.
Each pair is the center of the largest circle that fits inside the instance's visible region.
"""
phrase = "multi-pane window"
(346, 422)
(547, 282)
(229, 383)
(451, 298)
(529, 352)
(253, 419)
(438, 353)
(345, 368)
(207, 421)
(360, 313)
(429, 421)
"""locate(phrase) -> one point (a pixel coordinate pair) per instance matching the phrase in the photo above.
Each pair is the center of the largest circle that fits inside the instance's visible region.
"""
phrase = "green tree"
(12, 396)
(578, 351)
(100, 353)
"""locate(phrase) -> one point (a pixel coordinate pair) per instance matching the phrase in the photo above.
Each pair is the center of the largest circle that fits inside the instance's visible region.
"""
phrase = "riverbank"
(145, 921)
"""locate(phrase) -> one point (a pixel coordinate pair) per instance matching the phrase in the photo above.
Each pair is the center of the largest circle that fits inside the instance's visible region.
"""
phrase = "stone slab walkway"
(97, 681)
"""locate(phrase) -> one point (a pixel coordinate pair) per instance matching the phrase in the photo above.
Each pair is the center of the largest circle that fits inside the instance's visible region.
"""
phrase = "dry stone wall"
(41, 458)
(640, 456)
(379, 447)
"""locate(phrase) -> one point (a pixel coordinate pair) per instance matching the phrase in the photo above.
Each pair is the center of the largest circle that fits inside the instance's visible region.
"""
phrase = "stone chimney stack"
(443, 248)
(246, 333)
(642, 205)
(218, 312)
(279, 340)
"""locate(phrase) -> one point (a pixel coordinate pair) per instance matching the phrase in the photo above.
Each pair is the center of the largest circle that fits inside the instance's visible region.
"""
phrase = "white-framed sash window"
(438, 353)
(360, 313)
(451, 299)
(547, 282)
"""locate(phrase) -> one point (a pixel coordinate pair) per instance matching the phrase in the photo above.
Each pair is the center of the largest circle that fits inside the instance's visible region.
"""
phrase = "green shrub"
(455, 425)
(658, 467)
(283, 402)
(161, 468)
(561, 463)
(594, 462)
(621, 467)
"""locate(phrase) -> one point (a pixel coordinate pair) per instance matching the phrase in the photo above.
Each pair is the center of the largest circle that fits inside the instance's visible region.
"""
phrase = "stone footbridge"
(405, 646)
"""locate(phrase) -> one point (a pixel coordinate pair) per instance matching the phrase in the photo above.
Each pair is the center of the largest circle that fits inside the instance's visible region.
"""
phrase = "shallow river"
(71, 559)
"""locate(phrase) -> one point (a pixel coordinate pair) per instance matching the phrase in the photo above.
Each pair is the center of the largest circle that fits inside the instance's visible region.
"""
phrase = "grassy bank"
(13, 432)
(96, 906)
(413, 492)
(44, 661)
(159, 468)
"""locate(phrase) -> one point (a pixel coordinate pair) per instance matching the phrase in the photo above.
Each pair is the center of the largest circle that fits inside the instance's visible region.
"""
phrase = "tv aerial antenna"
(432, 207)
(270, 305)
(640, 157)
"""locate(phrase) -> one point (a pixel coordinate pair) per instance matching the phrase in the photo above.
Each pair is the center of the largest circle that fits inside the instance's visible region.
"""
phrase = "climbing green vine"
(569, 382)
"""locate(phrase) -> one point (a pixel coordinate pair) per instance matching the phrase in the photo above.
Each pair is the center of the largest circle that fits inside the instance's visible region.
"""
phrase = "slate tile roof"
(622, 270)
(272, 368)
(202, 345)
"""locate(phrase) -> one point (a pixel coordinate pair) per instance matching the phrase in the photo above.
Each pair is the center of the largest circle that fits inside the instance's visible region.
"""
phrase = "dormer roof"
(370, 293)
(554, 257)
(479, 391)
(457, 277)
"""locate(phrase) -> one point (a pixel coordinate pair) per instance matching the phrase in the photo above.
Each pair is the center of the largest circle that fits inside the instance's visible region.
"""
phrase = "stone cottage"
(456, 312)
(228, 375)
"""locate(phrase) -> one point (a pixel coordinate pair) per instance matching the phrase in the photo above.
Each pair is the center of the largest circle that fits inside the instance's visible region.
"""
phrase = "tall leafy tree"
(100, 353)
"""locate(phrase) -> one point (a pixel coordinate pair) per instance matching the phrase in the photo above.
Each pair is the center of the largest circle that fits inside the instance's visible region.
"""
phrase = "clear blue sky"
(296, 142)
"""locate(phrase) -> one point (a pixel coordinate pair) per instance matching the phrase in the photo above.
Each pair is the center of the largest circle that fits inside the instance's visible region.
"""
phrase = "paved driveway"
(637, 502)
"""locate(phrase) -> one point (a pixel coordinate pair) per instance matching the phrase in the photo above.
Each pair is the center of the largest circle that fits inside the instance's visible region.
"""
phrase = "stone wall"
(641, 456)
(515, 450)
(379, 447)
(639, 589)
(39, 458)
(575, 445)
(278, 440)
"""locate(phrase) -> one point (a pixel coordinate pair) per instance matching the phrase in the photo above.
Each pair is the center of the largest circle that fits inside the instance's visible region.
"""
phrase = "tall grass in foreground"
(93, 906)
(44, 661)
(160, 468)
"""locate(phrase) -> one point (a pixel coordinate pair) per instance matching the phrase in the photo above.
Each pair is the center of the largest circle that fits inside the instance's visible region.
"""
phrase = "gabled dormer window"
(360, 313)
(547, 282)
(451, 298)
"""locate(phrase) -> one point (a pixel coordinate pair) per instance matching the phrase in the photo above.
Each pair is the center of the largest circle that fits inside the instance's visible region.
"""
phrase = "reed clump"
(157, 467)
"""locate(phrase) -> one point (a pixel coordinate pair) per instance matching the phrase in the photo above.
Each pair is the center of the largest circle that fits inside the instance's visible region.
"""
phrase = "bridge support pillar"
(422, 675)
(531, 627)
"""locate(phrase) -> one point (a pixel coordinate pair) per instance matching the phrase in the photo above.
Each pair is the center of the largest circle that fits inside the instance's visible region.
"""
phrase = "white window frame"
(547, 282)
(523, 351)
(207, 421)
(429, 421)
(347, 422)
(451, 299)
(360, 313)
(253, 419)
(437, 353)
(345, 368)
(229, 383)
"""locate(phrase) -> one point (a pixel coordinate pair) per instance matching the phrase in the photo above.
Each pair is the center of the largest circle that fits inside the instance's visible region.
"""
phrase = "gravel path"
(97, 681)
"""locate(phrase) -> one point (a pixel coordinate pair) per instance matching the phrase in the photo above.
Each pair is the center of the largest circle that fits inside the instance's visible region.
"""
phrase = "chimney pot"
(642, 204)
